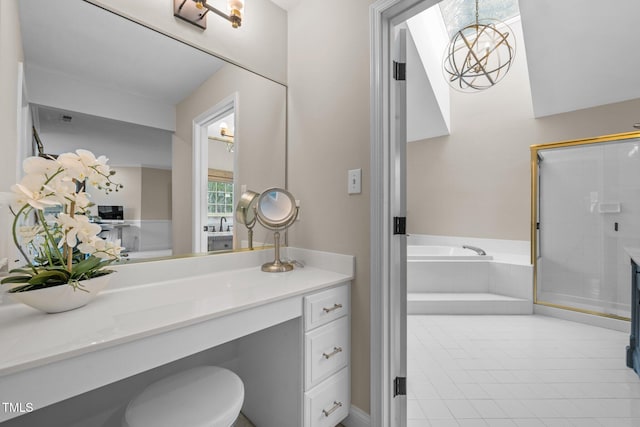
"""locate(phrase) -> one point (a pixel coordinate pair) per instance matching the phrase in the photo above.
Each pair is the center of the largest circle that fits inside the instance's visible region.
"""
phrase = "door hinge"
(399, 71)
(399, 225)
(400, 386)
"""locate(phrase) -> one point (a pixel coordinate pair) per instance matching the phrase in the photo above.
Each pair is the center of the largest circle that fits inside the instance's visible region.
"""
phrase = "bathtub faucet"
(475, 249)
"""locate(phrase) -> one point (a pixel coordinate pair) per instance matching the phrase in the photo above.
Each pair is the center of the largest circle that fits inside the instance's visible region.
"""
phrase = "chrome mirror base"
(277, 267)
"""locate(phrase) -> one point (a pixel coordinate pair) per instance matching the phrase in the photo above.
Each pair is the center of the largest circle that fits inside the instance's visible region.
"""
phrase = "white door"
(398, 250)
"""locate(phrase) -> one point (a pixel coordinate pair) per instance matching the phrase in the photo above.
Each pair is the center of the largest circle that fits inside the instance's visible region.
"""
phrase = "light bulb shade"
(235, 5)
(235, 12)
(479, 55)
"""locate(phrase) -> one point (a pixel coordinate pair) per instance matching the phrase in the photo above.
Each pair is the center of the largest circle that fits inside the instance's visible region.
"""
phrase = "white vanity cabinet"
(327, 348)
(286, 335)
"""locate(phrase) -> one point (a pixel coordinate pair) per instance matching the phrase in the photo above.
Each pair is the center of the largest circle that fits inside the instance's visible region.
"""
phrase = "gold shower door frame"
(534, 210)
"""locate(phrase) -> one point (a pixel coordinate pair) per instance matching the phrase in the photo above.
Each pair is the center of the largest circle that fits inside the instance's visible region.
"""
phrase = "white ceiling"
(581, 53)
(286, 4)
(79, 39)
(125, 144)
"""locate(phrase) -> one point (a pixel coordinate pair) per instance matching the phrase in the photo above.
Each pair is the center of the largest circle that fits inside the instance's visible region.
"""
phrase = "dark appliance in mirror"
(110, 213)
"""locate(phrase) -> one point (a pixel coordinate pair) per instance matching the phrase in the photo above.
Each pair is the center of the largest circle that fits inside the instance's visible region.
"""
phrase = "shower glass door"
(588, 212)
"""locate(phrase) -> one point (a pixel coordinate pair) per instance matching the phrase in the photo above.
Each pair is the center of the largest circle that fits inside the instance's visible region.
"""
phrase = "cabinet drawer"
(323, 307)
(328, 403)
(326, 351)
(219, 243)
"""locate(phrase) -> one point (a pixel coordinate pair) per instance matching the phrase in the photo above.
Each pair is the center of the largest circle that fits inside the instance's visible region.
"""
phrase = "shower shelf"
(609, 208)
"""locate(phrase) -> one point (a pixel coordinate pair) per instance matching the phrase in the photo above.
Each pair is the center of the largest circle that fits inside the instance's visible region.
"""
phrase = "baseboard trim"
(357, 418)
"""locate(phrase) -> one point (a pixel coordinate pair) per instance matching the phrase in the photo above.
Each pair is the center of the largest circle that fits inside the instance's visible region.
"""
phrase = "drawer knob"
(334, 408)
(335, 351)
(330, 309)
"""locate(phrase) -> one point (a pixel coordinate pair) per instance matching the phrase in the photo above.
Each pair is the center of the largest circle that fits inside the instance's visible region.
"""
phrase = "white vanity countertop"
(30, 338)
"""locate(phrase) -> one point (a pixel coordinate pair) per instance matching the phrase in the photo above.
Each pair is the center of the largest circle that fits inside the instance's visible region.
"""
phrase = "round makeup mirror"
(246, 212)
(276, 210)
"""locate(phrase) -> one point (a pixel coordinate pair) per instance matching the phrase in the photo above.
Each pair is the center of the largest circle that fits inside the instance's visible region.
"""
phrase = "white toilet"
(205, 396)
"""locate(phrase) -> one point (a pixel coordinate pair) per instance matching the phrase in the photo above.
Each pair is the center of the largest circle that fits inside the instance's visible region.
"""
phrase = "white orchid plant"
(66, 249)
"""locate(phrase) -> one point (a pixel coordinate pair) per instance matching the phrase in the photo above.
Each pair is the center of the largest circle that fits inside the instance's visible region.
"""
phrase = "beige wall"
(156, 194)
(260, 44)
(130, 197)
(329, 134)
(146, 194)
(10, 56)
(260, 142)
(476, 181)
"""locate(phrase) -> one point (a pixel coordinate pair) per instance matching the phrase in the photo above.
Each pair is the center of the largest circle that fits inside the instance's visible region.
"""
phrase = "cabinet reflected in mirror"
(132, 94)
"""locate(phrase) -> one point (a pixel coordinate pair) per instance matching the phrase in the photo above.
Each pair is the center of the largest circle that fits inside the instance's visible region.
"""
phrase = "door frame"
(201, 163)
(384, 16)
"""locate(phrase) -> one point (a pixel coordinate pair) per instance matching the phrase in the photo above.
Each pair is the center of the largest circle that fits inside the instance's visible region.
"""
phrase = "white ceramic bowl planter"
(61, 298)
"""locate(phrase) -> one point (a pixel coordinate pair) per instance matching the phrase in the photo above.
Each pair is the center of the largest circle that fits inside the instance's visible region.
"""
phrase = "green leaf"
(22, 288)
(15, 279)
(85, 266)
(21, 270)
(29, 287)
(54, 276)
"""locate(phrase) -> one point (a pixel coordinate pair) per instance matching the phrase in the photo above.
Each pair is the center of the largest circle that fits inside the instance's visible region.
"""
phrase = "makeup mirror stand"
(276, 210)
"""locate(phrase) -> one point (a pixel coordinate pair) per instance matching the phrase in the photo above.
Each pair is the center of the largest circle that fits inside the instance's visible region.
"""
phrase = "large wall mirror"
(185, 131)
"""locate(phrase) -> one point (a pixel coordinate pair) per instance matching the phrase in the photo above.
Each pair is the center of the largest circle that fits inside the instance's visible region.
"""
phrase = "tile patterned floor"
(518, 371)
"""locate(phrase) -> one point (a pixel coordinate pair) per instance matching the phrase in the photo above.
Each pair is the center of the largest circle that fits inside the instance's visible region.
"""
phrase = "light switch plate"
(355, 181)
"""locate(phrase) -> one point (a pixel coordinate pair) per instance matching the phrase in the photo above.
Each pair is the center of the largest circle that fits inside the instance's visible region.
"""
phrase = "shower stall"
(585, 212)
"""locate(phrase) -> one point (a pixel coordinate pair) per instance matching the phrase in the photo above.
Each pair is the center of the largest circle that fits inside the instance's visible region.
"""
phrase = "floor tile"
(435, 409)
(518, 371)
(462, 408)
(414, 411)
(501, 422)
(472, 422)
(514, 409)
(619, 422)
(488, 409)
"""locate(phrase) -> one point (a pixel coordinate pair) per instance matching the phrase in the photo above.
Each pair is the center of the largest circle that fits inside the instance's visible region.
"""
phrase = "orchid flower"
(77, 228)
(61, 182)
(31, 190)
(29, 233)
(102, 249)
(40, 166)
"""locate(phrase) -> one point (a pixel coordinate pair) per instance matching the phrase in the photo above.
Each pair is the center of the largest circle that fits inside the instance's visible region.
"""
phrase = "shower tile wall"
(583, 263)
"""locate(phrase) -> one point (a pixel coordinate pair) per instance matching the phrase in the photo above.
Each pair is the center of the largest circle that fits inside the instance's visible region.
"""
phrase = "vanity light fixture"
(224, 130)
(225, 136)
(479, 55)
(195, 12)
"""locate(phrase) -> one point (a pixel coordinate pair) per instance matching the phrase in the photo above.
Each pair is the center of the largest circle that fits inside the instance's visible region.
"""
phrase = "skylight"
(458, 13)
